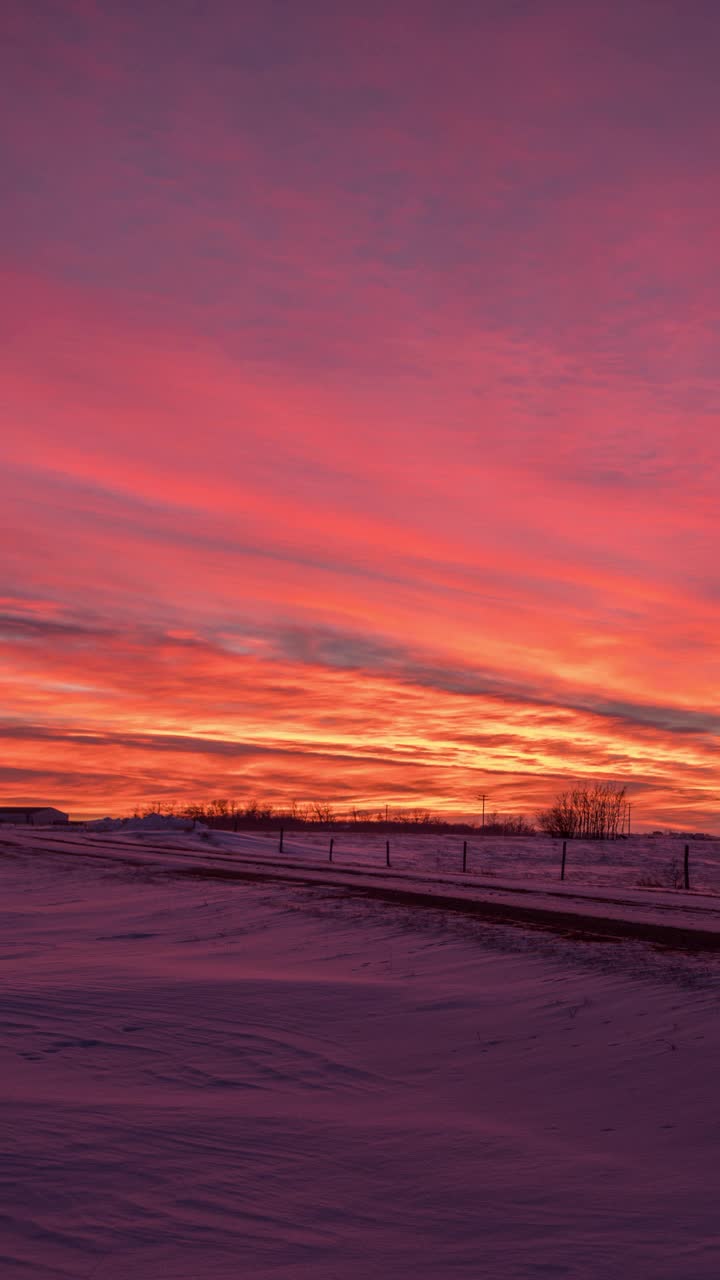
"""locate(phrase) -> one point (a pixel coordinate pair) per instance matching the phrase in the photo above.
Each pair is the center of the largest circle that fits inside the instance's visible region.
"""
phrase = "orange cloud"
(359, 438)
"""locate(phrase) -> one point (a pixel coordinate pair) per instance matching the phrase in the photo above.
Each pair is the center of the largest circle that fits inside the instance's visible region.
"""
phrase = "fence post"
(464, 855)
(387, 853)
(282, 833)
(686, 868)
(332, 841)
(562, 866)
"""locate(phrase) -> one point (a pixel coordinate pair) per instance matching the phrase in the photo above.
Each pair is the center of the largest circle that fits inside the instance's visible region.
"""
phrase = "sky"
(360, 398)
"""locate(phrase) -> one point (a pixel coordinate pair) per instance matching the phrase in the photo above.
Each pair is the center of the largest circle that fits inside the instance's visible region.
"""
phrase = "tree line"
(313, 814)
(596, 812)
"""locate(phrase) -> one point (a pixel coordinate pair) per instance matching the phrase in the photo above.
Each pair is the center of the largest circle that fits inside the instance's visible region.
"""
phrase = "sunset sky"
(360, 392)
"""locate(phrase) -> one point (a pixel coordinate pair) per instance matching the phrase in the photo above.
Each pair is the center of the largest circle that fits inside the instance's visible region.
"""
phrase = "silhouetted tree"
(586, 813)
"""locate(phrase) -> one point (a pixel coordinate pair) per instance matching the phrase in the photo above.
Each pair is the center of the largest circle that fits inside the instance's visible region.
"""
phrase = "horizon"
(644, 827)
(361, 403)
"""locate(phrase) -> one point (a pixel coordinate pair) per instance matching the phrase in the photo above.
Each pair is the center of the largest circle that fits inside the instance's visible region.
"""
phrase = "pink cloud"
(392, 335)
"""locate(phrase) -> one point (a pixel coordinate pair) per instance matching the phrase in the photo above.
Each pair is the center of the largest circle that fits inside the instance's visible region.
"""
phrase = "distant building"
(32, 815)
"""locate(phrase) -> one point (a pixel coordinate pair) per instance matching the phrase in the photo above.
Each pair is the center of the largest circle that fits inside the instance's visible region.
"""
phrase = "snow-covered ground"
(227, 1079)
(529, 891)
(630, 861)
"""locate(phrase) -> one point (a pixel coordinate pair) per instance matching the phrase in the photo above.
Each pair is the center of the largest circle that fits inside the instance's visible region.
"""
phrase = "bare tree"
(586, 813)
(322, 811)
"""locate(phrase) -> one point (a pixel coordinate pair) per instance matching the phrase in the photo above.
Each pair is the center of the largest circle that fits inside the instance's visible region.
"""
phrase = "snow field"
(226, 1080)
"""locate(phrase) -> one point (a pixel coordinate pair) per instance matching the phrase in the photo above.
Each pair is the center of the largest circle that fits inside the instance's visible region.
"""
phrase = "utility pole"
(482, 797)
(629, 811)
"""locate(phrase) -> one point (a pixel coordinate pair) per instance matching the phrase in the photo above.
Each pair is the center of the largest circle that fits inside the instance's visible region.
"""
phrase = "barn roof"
(29, 808)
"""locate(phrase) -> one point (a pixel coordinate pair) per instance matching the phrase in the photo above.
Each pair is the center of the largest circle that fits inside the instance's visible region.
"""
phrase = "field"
(628, 862)
(222, 1078)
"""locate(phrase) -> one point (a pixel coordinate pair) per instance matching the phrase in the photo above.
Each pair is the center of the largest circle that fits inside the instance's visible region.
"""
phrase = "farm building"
(34, 815)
